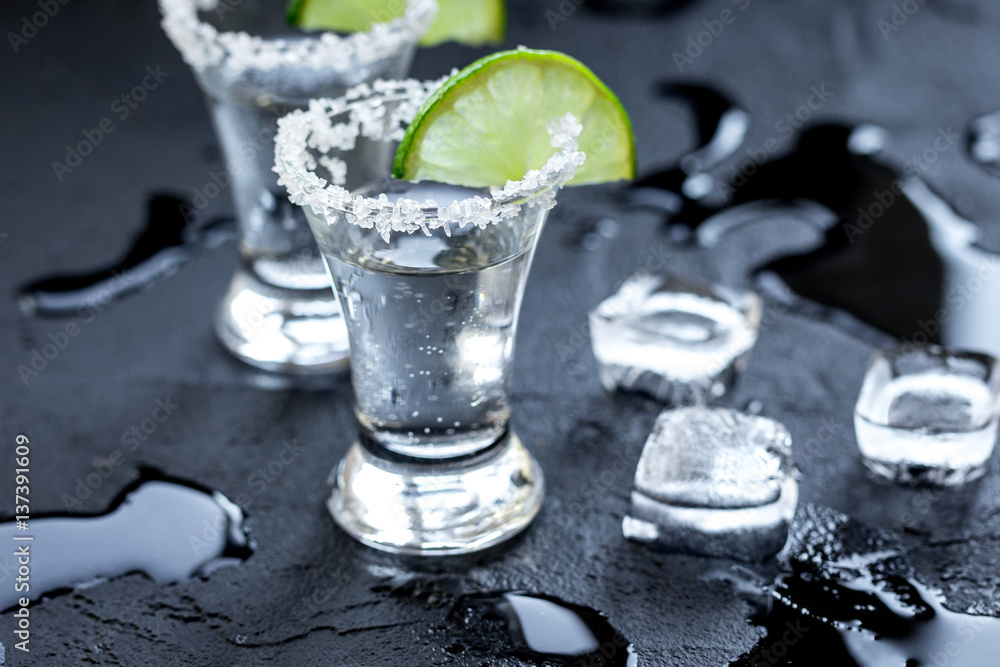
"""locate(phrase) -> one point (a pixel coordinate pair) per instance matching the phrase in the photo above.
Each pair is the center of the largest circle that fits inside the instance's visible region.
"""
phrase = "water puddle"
(684, 190)
(168, 529)
(846, 597)
(540, 629)
(170, 238)
(869, 623)
(894, 254)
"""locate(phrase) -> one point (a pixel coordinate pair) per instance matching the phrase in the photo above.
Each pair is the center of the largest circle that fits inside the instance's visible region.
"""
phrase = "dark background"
(311, 596)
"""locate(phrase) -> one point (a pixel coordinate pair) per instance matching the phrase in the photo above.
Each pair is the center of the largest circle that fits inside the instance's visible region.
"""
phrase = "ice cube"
(715, 482)
(984, 143)
(677, 339)
(928, 415)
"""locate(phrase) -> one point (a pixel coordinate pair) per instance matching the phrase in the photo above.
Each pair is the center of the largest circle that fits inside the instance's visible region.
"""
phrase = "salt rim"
(202, 46)
(304, 133)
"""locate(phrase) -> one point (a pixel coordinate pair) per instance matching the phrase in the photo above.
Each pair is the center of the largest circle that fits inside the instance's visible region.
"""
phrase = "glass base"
(284, 330)
(908, 473)
(442, 508)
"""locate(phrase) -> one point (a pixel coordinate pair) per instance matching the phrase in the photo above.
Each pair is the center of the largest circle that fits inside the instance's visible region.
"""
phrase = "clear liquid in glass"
(432, 320)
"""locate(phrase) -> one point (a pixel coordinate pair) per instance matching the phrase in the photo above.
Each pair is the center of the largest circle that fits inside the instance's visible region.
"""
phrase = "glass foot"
(916, 474)
(284, 330)
(437, 508)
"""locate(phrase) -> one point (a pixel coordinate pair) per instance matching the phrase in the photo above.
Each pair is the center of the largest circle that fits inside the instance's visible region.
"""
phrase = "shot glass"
(928, 415)
(279, 313)
(430, 279)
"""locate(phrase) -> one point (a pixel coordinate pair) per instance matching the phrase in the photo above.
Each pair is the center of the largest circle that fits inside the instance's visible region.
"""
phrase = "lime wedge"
(471, 22)
(488, 123)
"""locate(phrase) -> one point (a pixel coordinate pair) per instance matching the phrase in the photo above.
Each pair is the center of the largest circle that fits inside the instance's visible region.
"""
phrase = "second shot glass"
(279, 313)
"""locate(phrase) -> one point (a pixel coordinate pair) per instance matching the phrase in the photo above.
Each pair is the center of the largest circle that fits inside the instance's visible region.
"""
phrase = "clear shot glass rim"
(306, 188)
(203, 46)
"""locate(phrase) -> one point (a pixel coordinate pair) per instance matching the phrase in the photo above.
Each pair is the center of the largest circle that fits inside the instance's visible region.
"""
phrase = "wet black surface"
(167, 529)
(894, 254)
(168, 240)
(309, 595)
(845, 595)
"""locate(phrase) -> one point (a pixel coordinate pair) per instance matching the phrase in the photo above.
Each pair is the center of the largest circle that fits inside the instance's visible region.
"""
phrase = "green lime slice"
(471, 22)
(341, 15)
(488, 123)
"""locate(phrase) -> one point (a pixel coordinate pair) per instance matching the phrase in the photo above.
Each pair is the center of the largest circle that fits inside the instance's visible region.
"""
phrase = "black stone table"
(311, 596)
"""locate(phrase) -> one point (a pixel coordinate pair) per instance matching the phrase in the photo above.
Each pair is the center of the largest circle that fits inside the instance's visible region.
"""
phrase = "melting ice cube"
(674, 338)
(715, 482)
(928, 415)
(984, 143)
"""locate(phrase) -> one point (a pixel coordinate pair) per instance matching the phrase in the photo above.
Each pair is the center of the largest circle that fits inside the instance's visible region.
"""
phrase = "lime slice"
(488, 123)
(341, 15)
(471, 22)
